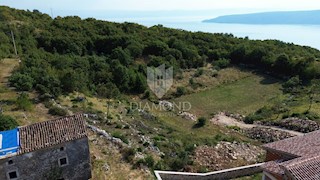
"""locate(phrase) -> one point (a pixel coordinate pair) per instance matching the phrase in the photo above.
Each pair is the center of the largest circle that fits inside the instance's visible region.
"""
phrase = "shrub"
(147, 94)
(57, 111)
(149, 161)
(22, 82)
(201, 122)
(236, 128)
(251, 118)
(193, 84)
(292, 85)
(222, 63)
(7, 123)
(198, 73)
(181, 91)
(120, 136)
(23, 102)
(128, 154)
(222, 137)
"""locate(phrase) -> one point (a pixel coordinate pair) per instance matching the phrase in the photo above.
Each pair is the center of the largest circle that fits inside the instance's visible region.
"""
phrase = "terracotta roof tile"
(307, 164)
(50, 133)
(304, 168)
(308, 144)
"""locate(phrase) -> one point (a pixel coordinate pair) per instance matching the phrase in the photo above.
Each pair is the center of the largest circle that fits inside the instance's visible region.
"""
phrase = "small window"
(62, 149)
(13, 175)
(10, 162)
(63, 161)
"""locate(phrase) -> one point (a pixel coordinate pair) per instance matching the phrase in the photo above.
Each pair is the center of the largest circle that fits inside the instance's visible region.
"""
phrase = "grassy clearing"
(8, 98)
(210, 78)
(243, 96)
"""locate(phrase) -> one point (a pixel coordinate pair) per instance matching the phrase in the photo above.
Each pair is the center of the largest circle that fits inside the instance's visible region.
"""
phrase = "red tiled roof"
(307, 150)
(50, 133)
(304, 168)
(305, 145)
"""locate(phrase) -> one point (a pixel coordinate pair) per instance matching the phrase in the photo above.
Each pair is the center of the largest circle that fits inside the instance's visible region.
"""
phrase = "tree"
(313, 92)
(108, 90)
(23, 82)
(181, 91)
(156, 48)
(122, 55)
(201, 122)
(7, 123)
(23, 102)
(121, 77)
(292, 85)
(238, 55)
(74, 81)
(141, 83)
(282, 64)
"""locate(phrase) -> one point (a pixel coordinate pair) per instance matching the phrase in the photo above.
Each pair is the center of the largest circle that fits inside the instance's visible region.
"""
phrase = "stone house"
(296, 158)
(56, 149)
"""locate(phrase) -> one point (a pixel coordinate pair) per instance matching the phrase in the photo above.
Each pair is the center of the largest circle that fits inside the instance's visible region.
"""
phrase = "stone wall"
(224, 174)
(44, 163)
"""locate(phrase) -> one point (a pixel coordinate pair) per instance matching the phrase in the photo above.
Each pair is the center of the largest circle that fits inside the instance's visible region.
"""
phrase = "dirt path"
(222, 119)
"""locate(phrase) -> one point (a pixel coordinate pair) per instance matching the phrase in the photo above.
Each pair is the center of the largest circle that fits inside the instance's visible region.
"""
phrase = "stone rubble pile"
(266, 135)
(107, 136)
(168, 105)
(188, 116)
(238, 117)
(300, 125)
(226, 155)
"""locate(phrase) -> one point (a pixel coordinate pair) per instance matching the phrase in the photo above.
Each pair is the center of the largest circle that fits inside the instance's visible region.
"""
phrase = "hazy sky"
(44, 5)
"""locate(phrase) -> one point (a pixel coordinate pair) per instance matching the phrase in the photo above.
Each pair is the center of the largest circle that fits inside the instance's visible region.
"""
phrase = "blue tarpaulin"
(9, 142)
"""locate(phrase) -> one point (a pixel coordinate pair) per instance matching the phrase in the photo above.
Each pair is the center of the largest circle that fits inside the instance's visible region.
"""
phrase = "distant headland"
(281, 17)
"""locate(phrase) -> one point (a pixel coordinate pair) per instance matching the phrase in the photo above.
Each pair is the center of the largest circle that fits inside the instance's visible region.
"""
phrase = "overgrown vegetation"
(23, 102)
(107, 60)
(69, 54)
(201, 122)
(7, 123)
(57, 111)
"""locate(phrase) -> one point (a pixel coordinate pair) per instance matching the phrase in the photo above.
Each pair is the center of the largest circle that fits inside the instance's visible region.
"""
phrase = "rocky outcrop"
(227, 155)
(107, 136)
(146, 115)
(238, 117)
(166, 104)
(300, 125)
(266, 135)
(188, 116)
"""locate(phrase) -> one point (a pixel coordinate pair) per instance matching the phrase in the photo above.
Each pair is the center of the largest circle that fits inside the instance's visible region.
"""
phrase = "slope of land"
(290, 17)
(8, 97)
(71, 64)
(243, 96)
(222, 119)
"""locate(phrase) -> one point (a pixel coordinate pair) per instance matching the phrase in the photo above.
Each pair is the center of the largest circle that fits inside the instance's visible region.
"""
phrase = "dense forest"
(67, 54)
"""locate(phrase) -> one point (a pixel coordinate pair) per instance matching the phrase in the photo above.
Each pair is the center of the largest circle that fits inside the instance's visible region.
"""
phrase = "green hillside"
(69, 64)
(97, 55)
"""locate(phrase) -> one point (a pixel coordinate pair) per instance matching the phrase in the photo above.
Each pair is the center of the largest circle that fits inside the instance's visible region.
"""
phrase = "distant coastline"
(281, 17)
